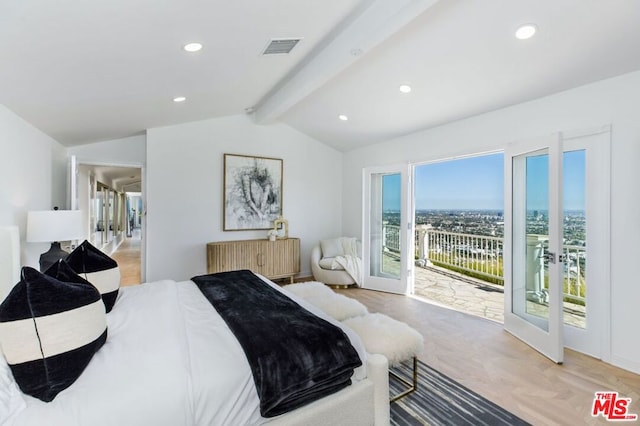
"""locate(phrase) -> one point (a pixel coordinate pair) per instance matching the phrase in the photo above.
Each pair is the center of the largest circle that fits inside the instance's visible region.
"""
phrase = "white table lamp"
(54, 226)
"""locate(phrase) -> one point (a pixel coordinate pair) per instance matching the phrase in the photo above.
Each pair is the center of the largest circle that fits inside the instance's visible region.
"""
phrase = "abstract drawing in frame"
(252, 192)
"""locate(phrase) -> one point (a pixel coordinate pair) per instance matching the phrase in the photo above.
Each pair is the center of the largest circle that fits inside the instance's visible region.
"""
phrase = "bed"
(170, 359)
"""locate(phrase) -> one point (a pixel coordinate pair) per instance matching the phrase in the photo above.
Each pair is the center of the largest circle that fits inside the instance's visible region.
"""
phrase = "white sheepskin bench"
(308, 289)
(397, 341)
(335, 305)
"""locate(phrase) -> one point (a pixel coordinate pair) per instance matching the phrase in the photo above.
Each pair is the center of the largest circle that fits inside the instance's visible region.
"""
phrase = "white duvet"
(169, 360)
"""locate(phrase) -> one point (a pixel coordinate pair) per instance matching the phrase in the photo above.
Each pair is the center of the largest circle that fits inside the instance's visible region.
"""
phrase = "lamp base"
(50, 257)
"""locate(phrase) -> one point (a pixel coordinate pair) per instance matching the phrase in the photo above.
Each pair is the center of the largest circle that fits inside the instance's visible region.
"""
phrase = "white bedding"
(169, 360)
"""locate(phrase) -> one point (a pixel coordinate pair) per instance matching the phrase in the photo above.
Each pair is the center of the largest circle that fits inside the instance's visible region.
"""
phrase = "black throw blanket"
(295, 356)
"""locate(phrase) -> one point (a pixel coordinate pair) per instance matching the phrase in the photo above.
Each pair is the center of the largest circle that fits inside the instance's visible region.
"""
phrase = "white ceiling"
(126, 179)
(85, 71)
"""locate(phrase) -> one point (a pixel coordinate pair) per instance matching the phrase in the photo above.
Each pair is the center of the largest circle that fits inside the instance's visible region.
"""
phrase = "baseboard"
(627, 364)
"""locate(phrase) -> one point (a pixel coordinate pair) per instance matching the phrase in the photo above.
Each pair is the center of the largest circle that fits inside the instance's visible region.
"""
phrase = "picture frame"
(252, 192)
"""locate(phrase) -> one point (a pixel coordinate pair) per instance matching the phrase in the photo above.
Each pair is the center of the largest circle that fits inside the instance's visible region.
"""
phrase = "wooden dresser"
(273, 259)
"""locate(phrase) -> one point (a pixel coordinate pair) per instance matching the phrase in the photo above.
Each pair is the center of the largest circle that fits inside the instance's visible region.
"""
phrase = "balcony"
(465, 272)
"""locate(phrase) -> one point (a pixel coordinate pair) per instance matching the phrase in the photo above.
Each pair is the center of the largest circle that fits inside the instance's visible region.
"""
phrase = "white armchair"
(324, 267)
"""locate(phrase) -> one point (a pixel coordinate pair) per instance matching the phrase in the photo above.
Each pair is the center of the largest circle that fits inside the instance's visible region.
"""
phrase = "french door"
(387, 229)
(533, 244)
(557, 244)
(587, 269)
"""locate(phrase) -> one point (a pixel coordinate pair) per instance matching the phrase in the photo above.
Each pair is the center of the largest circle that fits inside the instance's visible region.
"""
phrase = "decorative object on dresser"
(272, 259)
(252, 192)
(281, 226)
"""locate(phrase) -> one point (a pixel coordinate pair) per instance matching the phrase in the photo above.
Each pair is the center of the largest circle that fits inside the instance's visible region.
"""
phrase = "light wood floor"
(482, 356)
(128, 257)
(479, 354)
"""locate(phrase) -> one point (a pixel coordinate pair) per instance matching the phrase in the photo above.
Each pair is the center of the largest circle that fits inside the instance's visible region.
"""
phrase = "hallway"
(128, 257)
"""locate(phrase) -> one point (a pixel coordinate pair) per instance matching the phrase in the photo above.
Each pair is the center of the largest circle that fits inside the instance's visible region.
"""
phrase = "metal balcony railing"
(482, 257)
(479, 255)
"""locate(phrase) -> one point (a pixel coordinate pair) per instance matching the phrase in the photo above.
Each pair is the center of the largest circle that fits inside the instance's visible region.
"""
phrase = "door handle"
(551, 257)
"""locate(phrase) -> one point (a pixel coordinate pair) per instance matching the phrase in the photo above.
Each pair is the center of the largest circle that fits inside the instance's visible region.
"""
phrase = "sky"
(477, 183)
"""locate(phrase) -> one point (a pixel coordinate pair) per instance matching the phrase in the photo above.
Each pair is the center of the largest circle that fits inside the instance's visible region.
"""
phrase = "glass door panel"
(100, 218)
(574, 249)
(385, 226)
(386, 230)
(110, 199)
(533, 245)
(586, 248)
(530, 295)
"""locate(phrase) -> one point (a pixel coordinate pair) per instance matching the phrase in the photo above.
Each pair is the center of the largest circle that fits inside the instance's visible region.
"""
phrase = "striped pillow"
(49, 331)
(97, 268)
(63, 272)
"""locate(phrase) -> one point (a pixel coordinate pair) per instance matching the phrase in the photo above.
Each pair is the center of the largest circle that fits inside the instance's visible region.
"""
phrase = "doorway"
(509, 264)
(112, 199)
(459, 234)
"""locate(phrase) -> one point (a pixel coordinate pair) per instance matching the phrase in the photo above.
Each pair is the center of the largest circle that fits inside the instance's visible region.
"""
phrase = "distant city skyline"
(477, 183)
(469, 183)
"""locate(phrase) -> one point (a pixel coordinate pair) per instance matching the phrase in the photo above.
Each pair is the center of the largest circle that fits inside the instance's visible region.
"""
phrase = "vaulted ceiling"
(86, 71)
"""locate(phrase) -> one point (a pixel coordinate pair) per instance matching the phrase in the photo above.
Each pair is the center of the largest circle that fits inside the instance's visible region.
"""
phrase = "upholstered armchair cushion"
(332, 247)
(327, 263)
(324, 268)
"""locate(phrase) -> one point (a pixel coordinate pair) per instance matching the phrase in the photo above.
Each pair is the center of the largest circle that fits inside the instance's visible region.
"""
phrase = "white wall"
(119, 152)
(614, 101)
(184, 190)
(32, 177)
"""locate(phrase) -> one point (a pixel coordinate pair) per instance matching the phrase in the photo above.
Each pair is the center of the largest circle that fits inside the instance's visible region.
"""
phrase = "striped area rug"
(440, 400)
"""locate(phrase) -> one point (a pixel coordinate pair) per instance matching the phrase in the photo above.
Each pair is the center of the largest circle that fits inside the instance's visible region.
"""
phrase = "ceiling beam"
(376, 21)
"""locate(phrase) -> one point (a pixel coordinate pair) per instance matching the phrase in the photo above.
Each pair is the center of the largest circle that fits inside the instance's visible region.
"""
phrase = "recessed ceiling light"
(192, 47)
(343, 117)
(405, 88)
(179, 99)
(526, 31)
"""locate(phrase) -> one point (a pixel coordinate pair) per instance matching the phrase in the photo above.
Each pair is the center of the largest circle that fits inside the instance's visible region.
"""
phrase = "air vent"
(281, 46)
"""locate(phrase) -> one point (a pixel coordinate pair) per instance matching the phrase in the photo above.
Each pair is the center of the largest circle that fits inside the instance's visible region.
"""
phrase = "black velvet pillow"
(49, 331)
(63, 272)
(97, 268)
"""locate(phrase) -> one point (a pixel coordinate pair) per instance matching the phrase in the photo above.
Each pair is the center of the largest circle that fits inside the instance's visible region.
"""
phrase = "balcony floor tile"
(476, 297)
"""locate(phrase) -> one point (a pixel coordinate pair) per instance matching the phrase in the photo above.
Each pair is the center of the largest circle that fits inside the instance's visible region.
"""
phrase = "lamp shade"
(54, 225)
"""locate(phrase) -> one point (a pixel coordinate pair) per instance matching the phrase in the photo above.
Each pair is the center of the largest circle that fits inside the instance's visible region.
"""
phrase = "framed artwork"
(252, 192)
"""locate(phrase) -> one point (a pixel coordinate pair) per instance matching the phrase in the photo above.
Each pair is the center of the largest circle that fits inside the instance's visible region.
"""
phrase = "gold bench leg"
(411, 387)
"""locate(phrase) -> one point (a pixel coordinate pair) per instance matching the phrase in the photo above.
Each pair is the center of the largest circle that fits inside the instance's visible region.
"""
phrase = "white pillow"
(11, 399)
(332, 247)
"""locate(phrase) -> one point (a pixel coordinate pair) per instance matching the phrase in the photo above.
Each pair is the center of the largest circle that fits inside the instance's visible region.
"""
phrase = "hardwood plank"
(128, 257)
(482, 356)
